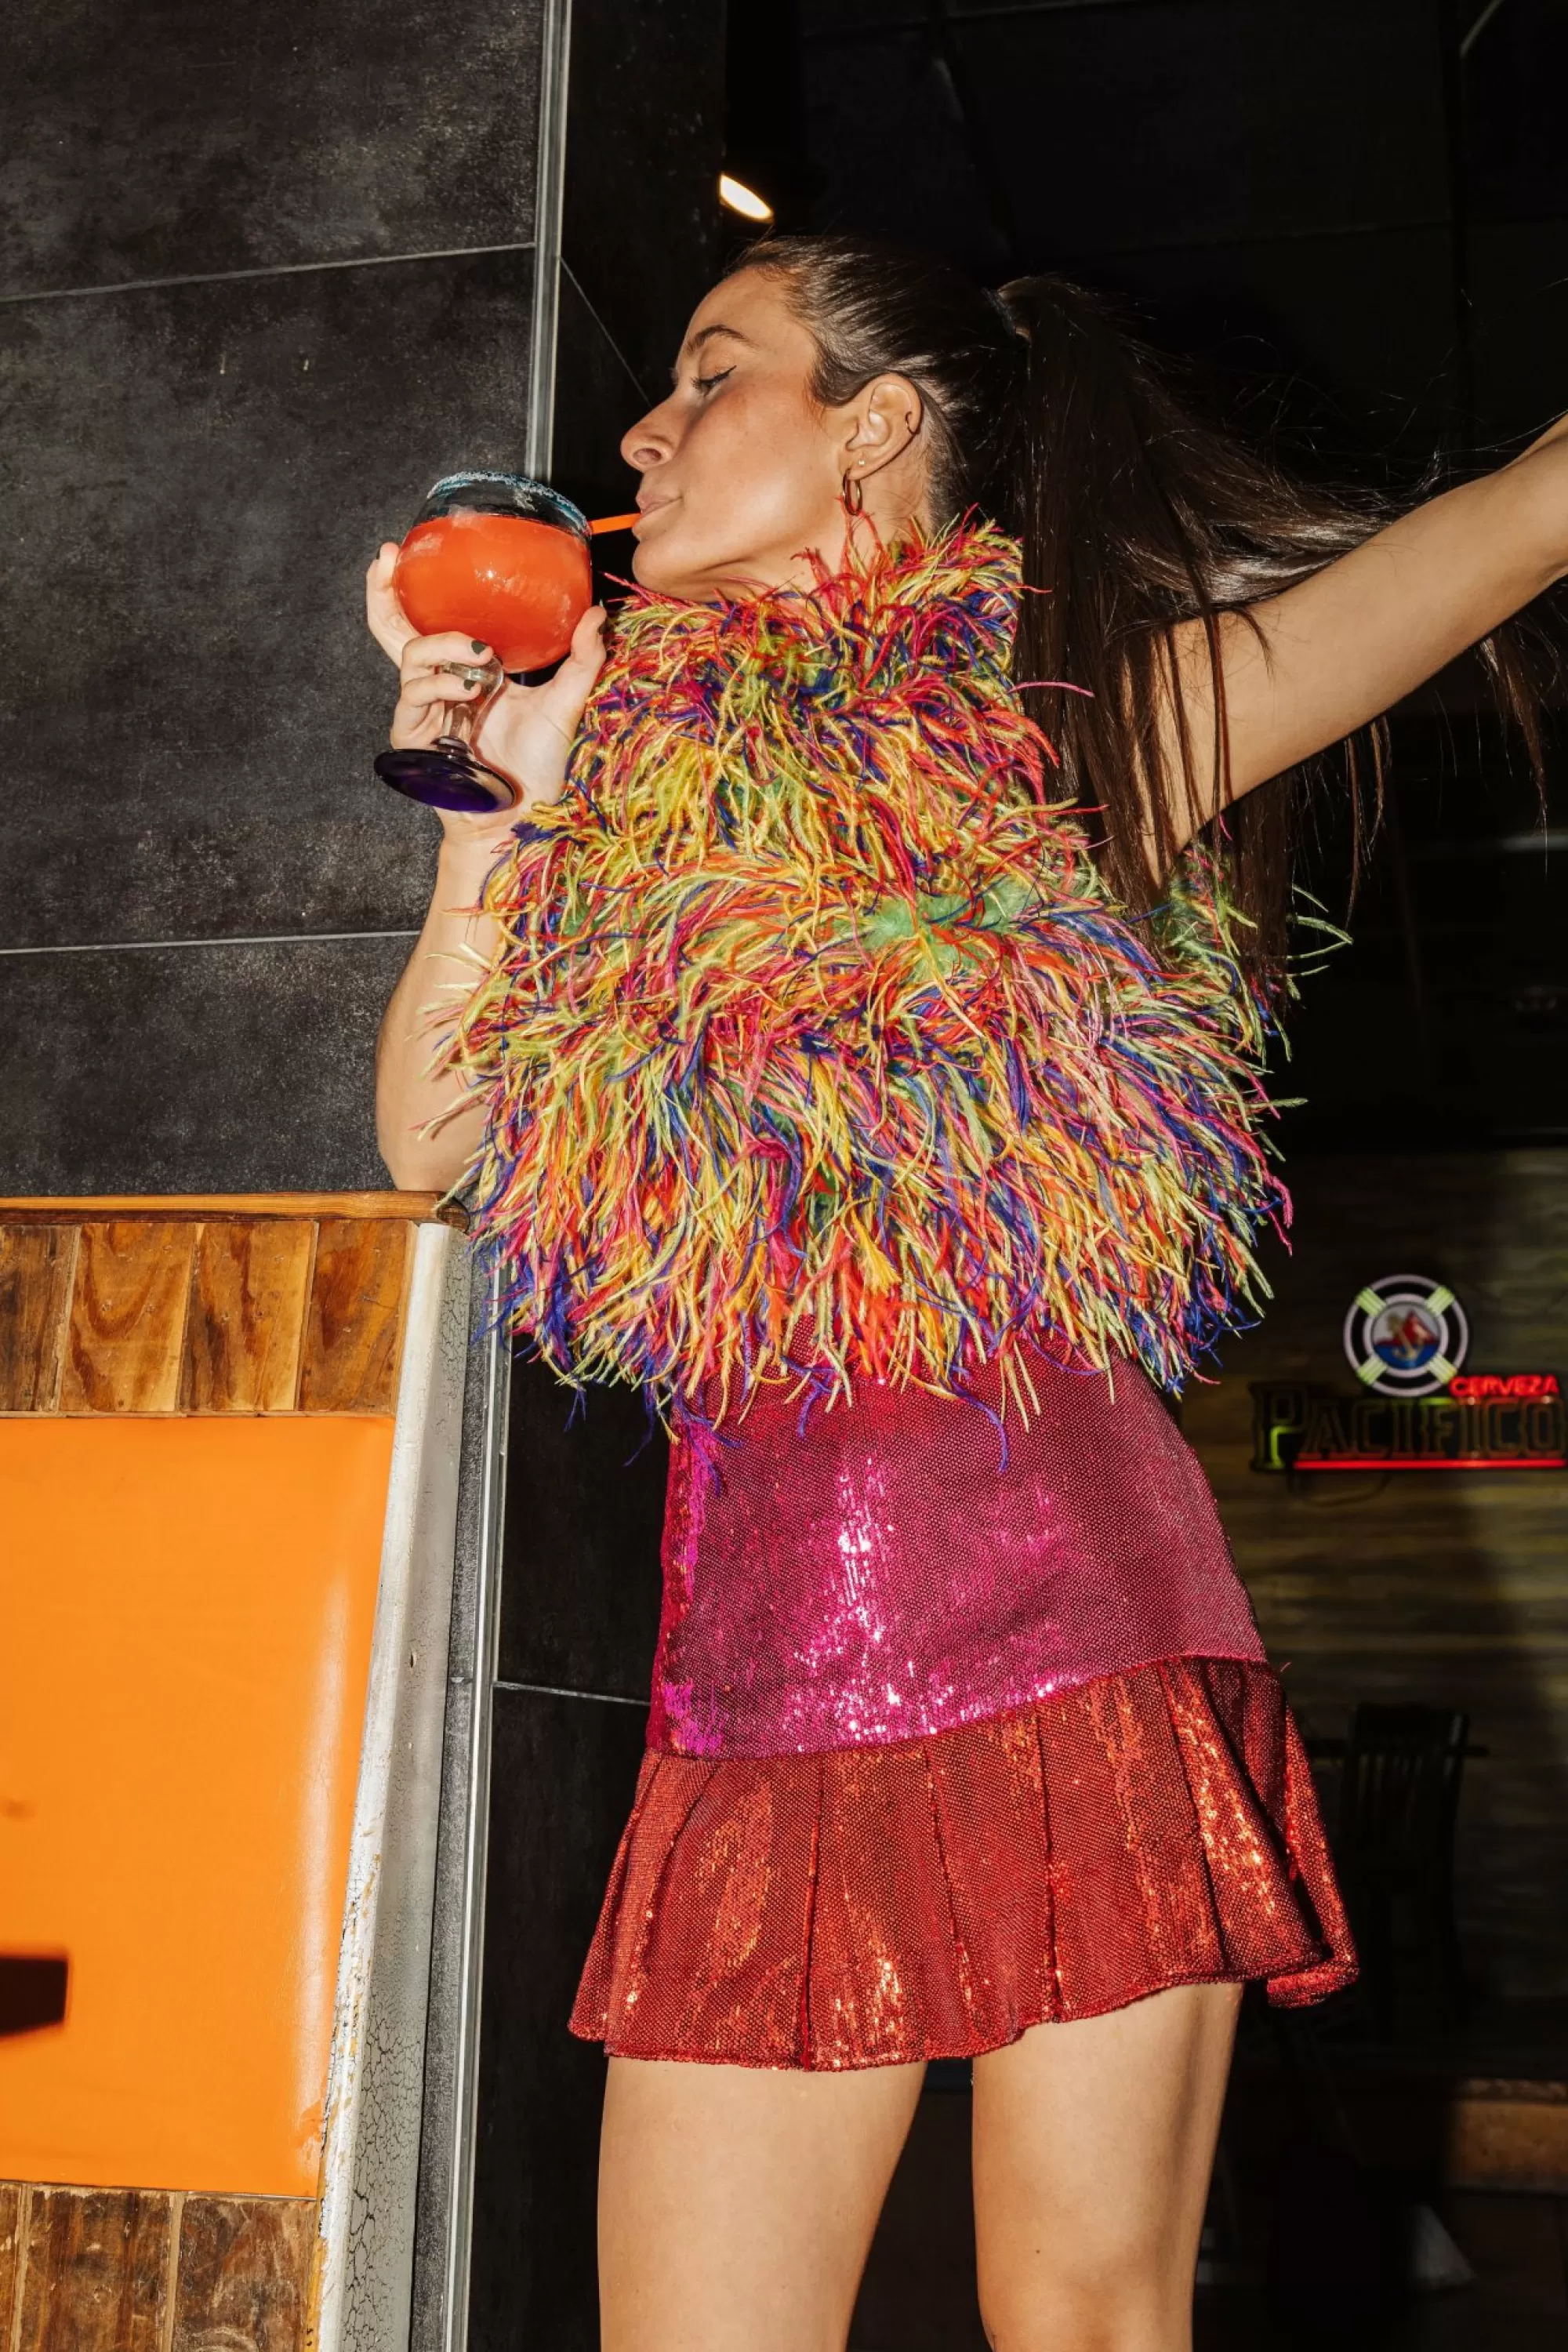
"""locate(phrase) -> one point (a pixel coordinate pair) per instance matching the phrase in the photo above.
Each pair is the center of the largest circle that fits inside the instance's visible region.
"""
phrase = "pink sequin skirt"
(936, 1896)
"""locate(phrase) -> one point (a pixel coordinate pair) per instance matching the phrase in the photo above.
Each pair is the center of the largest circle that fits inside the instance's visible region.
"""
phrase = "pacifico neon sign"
(1405, 1337)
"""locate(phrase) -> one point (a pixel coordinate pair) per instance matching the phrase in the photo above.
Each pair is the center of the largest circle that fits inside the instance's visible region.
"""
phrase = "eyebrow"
(693, 346)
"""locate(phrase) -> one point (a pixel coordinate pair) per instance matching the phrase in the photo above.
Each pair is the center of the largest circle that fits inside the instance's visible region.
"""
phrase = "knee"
(1092, 2310)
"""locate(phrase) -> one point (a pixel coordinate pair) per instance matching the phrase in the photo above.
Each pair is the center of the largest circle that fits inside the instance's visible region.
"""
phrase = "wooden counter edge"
(413, 1208)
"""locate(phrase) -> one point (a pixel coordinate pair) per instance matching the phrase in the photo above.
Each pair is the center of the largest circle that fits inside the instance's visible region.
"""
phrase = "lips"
(646, 506)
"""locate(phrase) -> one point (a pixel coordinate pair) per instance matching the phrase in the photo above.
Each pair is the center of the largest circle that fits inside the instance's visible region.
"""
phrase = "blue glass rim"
(486, 493)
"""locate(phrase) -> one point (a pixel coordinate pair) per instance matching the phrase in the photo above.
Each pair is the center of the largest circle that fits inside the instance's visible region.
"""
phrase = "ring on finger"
(471, 673)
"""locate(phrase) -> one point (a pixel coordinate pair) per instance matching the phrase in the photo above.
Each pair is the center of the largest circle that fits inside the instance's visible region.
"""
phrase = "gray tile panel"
(194, 478)
(187, 138)
(221, 1069)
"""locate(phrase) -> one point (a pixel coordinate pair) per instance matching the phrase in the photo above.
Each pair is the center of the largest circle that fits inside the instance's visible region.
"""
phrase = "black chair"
(1399, 1802)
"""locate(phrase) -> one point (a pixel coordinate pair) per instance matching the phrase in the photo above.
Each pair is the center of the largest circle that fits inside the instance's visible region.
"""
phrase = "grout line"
(636, 380)
(554, 1690)
(277, 269)
(253, 940)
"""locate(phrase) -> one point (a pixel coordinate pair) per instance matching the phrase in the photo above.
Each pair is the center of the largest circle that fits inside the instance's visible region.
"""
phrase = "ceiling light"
(744, 200)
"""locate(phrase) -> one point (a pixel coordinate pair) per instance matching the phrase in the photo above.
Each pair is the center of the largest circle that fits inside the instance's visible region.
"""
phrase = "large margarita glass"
(505, 560)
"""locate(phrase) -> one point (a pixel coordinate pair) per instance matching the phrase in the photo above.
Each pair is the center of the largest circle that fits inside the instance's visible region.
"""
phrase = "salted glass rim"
(518, 494)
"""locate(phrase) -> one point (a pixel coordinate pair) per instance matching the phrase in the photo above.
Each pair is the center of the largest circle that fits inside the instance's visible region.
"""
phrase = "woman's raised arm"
(427, 1128)
(1303, 670)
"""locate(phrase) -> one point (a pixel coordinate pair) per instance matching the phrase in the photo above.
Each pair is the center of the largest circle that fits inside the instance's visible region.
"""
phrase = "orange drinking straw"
(615, 522)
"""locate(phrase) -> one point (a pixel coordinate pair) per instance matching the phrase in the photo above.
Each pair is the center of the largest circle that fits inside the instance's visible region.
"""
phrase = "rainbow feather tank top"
(816, 1048)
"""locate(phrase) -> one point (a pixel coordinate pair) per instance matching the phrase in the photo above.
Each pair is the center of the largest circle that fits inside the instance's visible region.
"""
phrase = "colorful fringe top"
(816, 1046)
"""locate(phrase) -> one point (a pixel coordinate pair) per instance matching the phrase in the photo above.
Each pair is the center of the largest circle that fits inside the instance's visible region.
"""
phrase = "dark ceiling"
(1355, 215)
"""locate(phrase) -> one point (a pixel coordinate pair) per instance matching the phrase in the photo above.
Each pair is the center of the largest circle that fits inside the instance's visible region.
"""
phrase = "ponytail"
(1134, 516)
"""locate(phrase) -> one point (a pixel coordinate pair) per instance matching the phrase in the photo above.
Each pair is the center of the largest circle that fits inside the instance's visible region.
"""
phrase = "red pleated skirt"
(934, 1898)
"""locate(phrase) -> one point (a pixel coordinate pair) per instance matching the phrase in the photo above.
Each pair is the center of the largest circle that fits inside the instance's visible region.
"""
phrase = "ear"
(879, 423)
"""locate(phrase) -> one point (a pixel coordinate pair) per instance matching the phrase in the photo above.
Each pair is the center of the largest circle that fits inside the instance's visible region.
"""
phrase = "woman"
(963, 1741)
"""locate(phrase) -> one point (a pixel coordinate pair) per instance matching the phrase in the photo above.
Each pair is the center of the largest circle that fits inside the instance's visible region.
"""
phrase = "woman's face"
(742, 470)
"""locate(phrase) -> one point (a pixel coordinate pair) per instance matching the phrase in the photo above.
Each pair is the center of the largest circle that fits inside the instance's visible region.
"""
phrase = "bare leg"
(737, 2203)
(1093, 2144)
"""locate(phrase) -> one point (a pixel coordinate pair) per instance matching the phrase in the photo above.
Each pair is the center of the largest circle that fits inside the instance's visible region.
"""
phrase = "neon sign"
(1406, 1337)
(1485, 1422)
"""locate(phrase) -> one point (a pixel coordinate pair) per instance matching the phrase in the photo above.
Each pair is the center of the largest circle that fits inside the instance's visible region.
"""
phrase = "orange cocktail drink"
(503, 561)
(518, 583)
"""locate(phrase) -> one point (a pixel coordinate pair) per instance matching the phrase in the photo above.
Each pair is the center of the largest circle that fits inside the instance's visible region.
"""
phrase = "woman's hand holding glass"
(526, 732)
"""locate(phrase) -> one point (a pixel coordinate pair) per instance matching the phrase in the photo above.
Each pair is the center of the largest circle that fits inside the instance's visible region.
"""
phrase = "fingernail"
(479, 645)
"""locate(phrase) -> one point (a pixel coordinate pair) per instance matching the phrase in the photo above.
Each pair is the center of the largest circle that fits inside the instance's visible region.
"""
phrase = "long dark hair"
(1048, 415)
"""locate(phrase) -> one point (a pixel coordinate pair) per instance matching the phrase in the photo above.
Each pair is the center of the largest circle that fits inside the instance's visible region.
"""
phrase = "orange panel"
(187, 1608)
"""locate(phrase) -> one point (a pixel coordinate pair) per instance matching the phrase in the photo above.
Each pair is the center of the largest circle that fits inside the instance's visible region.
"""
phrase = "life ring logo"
(1405, 1336)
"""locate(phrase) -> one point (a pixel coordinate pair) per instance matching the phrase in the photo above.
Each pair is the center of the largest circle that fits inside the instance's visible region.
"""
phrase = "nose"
(648, 442)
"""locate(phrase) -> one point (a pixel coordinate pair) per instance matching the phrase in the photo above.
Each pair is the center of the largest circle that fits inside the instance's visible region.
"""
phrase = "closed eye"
(706, 383)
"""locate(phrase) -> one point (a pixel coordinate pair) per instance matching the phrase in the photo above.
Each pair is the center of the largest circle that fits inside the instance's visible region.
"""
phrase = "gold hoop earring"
(853, 493)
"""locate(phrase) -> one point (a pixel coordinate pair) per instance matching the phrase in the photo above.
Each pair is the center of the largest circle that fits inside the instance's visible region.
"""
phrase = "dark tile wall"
(1357, 220)
(1379, 378)
(190, 140)
(1335, 198)
(1070, 130)
(203, 472)
(201, 1068)
(204, 897)
(585, 1508)
(564, 1772)
(600, 397)
(643, 143)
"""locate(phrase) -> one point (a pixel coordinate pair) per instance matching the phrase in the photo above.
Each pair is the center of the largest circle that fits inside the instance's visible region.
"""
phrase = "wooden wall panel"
(133, 2270)
(244, 2273)
(412, 1208)
(231, 1308)
(1447, 1588)
(356, 1308)
(94, 2271)
(126, 1323)
(246, 1325)
(36, 1264)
